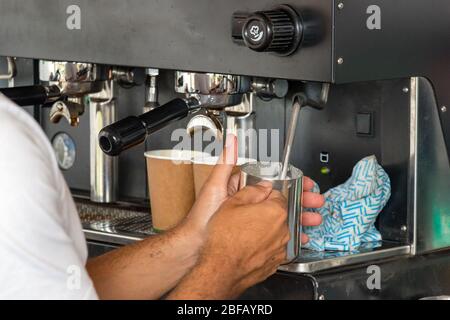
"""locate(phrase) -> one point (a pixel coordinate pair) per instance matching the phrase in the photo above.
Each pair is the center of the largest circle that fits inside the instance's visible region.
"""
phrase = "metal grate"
(114, 220)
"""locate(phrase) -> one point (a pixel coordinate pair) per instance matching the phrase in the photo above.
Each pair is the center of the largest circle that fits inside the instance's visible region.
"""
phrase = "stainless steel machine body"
(104, 169)
(389, 72)
(86, 86)
(229, 102)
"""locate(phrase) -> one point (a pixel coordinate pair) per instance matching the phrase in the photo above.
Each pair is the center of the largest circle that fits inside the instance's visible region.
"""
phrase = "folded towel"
(351, 209)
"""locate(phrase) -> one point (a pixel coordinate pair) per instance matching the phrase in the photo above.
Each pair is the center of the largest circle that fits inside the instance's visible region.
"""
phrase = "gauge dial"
(65, 150)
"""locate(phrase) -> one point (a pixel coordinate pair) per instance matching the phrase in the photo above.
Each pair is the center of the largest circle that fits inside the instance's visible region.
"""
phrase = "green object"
(325, 170)
(441, 224)
(157, 230)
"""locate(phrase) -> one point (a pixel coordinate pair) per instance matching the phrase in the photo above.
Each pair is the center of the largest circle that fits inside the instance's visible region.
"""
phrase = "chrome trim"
(151, 90)
(213, 90)
(112, 238)
(12, 69)
(309, 265)
(218, 101)
(62, 71)
(104, 169)
(432, 220)
(240, 120)
(210, 83)
(244, 109)
(73, 79)
(412, 170)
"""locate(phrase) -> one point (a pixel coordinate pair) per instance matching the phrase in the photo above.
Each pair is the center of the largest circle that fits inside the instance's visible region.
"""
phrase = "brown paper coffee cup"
(171, 186)
(203, 167)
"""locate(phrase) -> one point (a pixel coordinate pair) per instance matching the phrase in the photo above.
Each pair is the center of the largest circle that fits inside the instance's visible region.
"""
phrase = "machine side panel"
(384, 39)
(433, 176)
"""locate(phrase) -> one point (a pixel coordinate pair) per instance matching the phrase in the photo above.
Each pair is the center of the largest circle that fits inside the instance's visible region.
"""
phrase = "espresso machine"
(108, 82)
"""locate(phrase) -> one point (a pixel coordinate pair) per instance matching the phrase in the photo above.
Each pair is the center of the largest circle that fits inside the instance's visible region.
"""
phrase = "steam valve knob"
(278, 30)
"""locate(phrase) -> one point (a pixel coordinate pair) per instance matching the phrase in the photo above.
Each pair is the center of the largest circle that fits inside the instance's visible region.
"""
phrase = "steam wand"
(296, 106)
(299, 101)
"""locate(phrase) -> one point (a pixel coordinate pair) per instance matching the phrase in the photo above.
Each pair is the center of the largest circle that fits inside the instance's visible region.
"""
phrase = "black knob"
(278, 30)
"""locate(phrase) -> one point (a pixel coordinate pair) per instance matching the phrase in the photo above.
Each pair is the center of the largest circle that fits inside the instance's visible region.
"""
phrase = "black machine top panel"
(192, 35)
(335, 41)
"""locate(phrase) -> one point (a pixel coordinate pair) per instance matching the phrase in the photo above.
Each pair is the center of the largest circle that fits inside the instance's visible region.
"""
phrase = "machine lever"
(133, 130)
(32, 95)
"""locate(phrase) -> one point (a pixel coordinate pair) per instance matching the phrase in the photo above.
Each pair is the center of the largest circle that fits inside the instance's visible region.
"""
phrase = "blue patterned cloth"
(351, 209)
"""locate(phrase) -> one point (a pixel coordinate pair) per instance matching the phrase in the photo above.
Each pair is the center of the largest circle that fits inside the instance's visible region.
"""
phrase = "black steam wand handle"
(31, 95)
(133, 130)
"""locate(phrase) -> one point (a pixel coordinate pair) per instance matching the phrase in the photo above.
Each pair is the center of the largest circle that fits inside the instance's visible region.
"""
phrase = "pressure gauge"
(65, 150)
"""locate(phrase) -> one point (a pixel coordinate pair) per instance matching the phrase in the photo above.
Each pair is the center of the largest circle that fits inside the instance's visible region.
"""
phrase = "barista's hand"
(218, 188)
(221, 185)
(246, 242)
(310, 200)
(248, 236)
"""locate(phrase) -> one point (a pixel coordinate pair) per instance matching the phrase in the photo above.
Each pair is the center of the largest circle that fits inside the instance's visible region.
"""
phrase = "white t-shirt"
(43, 251)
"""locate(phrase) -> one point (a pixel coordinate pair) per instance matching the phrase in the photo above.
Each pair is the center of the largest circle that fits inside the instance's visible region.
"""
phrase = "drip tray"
(313, 261)
(120, 225)
(114, 224)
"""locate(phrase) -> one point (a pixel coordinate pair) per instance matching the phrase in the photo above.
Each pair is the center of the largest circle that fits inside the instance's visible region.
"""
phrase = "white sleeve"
(42, 248)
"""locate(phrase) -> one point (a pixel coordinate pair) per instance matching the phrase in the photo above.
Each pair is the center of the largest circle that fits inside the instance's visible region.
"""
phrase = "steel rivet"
(340, 60)
(444, 109)
(405, 89)
(404, 228)
(341, 6)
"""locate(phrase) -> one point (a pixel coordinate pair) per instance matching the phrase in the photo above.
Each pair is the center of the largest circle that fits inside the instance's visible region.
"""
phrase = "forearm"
(147, 269)
(214, 279)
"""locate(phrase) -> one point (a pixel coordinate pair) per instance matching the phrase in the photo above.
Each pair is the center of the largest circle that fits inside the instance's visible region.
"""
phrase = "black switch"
(364, 124)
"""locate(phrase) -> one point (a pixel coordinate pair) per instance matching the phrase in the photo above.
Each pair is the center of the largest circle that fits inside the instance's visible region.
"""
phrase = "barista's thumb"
(222, 171)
